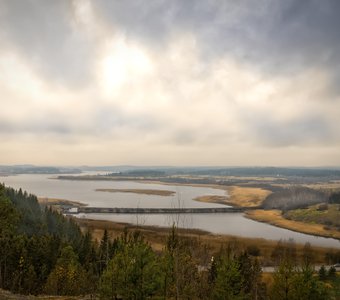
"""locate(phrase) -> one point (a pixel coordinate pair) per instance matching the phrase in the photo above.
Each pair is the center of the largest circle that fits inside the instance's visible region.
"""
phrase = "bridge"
(124, 210)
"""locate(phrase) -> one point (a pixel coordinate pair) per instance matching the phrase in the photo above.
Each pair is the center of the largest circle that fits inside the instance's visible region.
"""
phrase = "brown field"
(238, 196)
(275, 217)
(247, 196)
(156, 236)
(331, 186)
(139, 191)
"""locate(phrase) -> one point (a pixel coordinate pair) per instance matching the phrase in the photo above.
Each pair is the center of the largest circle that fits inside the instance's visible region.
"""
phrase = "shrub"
(323, 207)
(253, 250)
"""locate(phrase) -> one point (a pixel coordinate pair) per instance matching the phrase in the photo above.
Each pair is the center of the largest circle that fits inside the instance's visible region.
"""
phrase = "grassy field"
(139, 191)
(327, 215)
(276, 218)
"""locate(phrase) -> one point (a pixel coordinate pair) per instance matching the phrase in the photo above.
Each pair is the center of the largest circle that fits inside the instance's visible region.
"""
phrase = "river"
(226, 223)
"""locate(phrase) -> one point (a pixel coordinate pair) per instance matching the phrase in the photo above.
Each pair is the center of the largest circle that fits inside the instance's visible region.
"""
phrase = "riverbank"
(156, 236)
(251, 197)
(274, 217)
(235, 195)
(45, 201)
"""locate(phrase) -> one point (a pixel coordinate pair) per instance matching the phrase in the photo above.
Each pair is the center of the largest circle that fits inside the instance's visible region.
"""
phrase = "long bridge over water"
(124, 210)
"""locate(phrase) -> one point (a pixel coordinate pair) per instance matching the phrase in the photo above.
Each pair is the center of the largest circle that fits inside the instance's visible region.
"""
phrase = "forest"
(44, 253)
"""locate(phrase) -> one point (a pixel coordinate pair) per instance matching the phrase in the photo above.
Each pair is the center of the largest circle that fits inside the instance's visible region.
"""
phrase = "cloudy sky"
(170, 82)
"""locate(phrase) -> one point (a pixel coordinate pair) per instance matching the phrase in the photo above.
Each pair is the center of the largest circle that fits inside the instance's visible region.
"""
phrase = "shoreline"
(242, 196)
(275, 218)
(271, 217)
(239, 196)
(59, 202)
(156, 236)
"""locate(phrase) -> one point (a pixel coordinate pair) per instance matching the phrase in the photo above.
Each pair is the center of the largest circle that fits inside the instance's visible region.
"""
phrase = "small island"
(139, 191)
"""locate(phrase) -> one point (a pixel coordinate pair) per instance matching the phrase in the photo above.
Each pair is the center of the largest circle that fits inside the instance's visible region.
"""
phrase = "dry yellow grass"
(139, 191)
(268, 279)
(213, 199)
(275, 217)
(324, 185)
(58, 202)
(238, 196)
(247, 196)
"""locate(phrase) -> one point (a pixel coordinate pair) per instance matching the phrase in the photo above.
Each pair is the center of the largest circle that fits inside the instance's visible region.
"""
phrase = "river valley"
(218, 223)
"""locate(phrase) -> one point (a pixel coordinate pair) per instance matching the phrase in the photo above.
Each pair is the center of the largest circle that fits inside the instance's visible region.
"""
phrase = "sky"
(159, 82)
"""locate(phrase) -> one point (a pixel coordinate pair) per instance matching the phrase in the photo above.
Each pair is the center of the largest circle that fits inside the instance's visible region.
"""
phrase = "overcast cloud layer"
(170, 82)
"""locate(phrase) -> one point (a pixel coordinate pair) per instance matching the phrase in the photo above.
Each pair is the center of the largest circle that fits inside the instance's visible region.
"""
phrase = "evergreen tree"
(331, 272)
(132, 273)
(67, 277)
(282, 288)
(104, 252)
(292, 283)
(180, 278)
(229, 282)
(322, 273)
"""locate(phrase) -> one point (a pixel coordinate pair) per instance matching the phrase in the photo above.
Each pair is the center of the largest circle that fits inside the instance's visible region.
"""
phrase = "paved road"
(317, 268)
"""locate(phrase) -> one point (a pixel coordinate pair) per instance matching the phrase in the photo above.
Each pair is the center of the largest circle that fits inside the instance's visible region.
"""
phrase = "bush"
(323, 207)
(322, 273)
(332, 272)
(253, 250)
(334, 198)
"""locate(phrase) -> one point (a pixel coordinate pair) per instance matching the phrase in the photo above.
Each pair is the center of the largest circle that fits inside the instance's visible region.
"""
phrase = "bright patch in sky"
(122, 64)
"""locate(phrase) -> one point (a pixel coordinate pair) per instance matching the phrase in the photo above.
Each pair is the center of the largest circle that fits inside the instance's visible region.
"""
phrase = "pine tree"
(132, 273)
(67, 277)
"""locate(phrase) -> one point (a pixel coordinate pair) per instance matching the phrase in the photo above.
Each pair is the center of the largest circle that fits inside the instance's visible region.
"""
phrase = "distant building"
(73, 210)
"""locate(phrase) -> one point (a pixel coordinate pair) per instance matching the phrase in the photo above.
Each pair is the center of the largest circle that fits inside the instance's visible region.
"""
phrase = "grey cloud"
(307, 130)
(107, 120)
(184, 137)
(274, 36)
(102, 122)
(34, 127)
(304, 33)
(41, 31)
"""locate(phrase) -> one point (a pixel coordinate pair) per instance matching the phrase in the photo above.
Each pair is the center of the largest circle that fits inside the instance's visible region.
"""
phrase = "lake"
(226, 223)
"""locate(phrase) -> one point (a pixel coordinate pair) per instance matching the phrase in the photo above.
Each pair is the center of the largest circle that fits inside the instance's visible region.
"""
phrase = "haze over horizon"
(177, 83)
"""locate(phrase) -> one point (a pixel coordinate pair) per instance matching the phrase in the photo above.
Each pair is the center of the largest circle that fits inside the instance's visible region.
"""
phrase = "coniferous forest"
(44, 252)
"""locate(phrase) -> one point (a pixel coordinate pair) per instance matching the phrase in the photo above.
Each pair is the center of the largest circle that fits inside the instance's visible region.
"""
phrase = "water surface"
(227, 223)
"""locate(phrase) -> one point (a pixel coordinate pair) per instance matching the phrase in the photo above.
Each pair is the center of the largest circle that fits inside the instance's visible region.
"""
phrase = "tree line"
(43, 252)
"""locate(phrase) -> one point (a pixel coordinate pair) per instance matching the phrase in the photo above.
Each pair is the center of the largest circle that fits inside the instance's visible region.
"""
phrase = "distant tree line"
(334, 198)
(243, 171)
(28, 169)
(293, 198)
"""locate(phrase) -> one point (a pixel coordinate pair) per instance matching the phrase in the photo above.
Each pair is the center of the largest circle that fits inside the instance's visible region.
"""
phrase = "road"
(316, 268)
